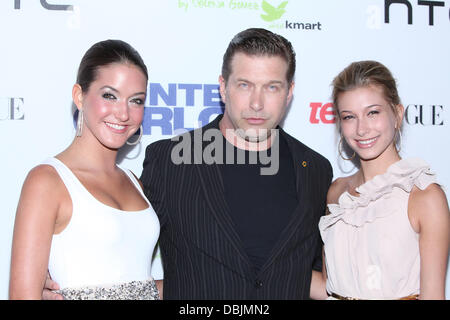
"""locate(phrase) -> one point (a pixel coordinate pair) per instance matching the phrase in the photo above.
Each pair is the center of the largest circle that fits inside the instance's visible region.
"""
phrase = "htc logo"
(48, 6)
(430, 4)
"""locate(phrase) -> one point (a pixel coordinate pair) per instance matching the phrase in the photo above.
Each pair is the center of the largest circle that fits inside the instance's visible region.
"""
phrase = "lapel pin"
(304, 164)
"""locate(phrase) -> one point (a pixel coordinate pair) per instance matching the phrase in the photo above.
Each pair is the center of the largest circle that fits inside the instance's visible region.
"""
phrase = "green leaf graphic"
(272, 13)
(282, 5)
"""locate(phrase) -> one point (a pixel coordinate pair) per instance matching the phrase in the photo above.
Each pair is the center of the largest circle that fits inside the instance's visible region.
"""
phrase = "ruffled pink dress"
(371, 250)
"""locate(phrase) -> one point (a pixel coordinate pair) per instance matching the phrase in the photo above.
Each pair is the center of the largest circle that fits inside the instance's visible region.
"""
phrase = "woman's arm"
(319, 279)
(429, 216)
(33, 230)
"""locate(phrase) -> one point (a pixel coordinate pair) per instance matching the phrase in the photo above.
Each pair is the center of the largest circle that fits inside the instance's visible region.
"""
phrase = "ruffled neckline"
(404, 174)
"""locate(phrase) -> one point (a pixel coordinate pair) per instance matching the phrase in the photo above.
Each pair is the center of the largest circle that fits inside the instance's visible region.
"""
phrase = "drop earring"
(80, 123)
(141, 130)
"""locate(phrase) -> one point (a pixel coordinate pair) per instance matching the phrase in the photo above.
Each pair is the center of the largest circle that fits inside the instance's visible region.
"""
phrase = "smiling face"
(368, 122)
(113, 106)
(256, 95)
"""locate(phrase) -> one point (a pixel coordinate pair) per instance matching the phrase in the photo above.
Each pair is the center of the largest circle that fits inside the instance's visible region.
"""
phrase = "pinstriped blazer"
(202, 254)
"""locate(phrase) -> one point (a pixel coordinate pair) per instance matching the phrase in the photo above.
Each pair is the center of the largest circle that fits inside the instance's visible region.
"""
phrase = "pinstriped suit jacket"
(202, 254)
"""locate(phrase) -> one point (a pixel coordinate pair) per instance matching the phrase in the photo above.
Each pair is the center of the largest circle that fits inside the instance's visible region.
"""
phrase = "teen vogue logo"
(322, 113)
(425, 115)
(12, 109)
(415, 114)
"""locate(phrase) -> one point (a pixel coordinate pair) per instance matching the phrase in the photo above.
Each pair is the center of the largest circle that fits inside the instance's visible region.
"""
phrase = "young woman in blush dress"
(386, 235)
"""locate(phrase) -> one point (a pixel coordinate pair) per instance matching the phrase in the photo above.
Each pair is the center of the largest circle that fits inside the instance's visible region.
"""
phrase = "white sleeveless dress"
(103, 253)
(371, 250)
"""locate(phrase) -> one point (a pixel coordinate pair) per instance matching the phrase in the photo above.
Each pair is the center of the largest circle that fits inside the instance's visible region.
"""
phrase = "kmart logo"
(272, 13)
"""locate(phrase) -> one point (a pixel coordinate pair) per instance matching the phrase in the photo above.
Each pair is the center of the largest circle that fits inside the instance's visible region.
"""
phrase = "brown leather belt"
(411, 297)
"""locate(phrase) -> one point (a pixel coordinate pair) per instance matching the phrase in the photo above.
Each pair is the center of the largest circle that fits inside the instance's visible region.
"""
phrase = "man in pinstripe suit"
(228, 231)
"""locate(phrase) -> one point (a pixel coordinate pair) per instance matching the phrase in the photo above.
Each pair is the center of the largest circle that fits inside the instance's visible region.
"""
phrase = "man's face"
(256, 95)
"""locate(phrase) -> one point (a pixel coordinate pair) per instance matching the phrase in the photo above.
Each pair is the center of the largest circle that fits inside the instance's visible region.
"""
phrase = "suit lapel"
(214, 192)
(300, 159)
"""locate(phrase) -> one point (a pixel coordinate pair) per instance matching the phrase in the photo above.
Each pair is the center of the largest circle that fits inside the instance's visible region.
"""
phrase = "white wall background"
(182, 42)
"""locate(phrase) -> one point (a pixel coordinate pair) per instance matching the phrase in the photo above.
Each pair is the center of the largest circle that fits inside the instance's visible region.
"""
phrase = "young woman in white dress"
(386, 235)
(80, 215)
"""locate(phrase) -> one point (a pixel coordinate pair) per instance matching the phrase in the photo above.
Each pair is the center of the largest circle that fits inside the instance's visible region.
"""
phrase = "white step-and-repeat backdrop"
(182, 43)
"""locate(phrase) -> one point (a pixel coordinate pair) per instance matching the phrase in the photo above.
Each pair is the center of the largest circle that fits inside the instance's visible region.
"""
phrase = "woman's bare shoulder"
(43, 175)
(427, 206)
(43, 184)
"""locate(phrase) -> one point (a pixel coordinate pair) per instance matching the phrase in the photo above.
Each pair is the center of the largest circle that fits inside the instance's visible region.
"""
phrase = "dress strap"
(68, 178)
(135, 182)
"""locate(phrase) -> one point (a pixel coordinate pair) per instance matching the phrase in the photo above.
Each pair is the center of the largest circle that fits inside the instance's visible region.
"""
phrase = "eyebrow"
(115, 90)
(276, 82)
(271, 81)
(108, 87)
(367, 107)
(373, 105)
